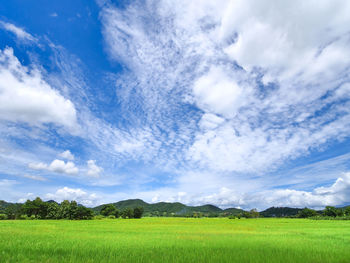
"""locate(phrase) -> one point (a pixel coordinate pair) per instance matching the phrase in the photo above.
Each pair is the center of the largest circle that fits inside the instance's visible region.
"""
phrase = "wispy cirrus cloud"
(19, 32)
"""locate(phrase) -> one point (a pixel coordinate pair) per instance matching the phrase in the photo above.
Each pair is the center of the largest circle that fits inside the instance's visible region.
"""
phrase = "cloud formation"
(20, 33)
(57, 166)
(67, 155)
(26, 97)
(93, 169)
(273, 99)
(75, 194)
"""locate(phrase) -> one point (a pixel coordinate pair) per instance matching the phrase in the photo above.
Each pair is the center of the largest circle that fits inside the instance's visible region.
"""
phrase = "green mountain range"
(177, 209)
(171, 208)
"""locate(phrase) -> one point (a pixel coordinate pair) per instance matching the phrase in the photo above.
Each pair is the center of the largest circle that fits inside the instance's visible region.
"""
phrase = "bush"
(98, 217)
(3, 217)
(111, 217)
(231, 217)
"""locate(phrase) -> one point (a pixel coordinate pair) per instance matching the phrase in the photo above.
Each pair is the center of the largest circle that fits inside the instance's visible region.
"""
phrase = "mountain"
(170, 208)
(280, 212)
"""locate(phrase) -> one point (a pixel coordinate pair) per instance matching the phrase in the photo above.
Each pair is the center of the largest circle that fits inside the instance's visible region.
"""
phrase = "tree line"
(71, 210)
(329, 212)
(111, 211)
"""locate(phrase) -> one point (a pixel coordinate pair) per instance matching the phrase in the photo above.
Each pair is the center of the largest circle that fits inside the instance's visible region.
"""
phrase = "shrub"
(111, 217)
(98, 217)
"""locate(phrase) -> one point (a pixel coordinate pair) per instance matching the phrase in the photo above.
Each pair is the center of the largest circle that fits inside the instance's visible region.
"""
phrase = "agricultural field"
(175, 240)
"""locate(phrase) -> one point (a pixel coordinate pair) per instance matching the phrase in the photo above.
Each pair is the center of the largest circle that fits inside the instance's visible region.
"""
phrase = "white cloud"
(77, 194)
(38, 166)
(20, 33)
(7, 182)
(273, 73)
(334, 195)
(67, 155)
(218, 93)
(93, 169)
(57, 166)
(34, 177)
(26, 97)
(60, 166)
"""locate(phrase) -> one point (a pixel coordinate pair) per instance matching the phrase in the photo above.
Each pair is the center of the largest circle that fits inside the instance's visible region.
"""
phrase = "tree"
(53, 211)
(254, 213)
(117, 213)
(13, 211)
(64, 210)
(37, 207)
(306, 212)
(3, 217)
(330, 211)
(73, 209)
(108, 210)
(138, 211)
(127, 213)
(347, 211)
(83, 213)
(339, 212)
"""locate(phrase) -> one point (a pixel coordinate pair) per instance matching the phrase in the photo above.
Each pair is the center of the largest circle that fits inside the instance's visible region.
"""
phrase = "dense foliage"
(280, 212)
(38, 209)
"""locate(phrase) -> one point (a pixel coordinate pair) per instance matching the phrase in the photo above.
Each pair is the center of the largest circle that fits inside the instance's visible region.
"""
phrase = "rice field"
(175, 240)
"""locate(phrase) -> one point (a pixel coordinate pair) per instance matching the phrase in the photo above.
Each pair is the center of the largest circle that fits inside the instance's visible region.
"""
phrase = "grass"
(175, 240)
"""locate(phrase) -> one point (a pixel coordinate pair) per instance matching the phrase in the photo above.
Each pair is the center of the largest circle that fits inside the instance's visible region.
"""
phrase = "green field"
(175, 240)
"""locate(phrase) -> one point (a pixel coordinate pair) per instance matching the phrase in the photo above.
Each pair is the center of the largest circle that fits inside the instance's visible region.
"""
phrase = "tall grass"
(175, 240)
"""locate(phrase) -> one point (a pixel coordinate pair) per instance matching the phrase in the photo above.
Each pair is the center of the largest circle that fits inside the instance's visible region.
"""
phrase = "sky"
(236, 103)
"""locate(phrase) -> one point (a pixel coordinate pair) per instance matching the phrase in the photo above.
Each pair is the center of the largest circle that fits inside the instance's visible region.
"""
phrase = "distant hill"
(280, 212)
(169, 208)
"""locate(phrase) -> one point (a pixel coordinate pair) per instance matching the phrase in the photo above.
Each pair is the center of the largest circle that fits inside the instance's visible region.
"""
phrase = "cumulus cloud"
(26, 97)
(93, 169)
(60, 166)
(77, 194)
(67, 155)
(57, 166)
(20, 33)
(334, 195)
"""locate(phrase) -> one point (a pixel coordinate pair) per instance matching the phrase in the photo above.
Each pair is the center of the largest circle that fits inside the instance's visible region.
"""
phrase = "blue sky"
(233, 103)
